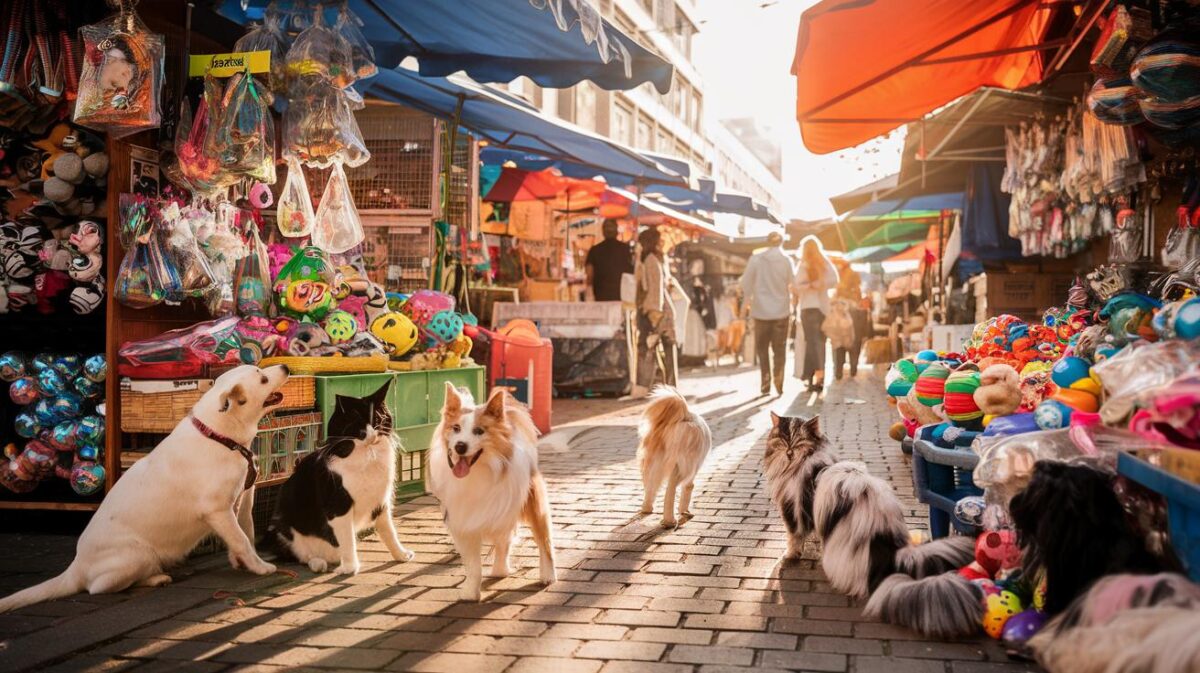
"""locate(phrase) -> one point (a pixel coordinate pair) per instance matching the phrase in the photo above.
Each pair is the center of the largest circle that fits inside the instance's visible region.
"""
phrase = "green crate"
(409, 399)
(410, 462)
(282, 440)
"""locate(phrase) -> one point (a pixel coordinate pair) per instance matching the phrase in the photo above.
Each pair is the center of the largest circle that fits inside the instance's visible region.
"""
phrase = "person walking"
(606, 262)
(765, 284)
(815, 277)
(656, 314)
(849, 290)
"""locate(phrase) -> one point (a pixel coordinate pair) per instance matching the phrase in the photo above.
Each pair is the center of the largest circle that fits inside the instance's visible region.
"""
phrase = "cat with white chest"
(342, 488)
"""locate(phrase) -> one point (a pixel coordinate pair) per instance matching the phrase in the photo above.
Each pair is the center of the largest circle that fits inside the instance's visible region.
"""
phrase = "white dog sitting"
(198, 481)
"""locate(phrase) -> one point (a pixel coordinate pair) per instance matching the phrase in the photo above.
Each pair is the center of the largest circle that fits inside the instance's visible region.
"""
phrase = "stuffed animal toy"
(363, 344)
(999, 392)
(74, 175)
(341, 326)
(307, 299)
(1035, 386)
(396, 331)
(923, 414)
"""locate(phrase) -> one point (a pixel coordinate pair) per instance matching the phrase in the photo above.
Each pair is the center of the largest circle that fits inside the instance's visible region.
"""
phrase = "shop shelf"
(1182, 496)
(943, 477)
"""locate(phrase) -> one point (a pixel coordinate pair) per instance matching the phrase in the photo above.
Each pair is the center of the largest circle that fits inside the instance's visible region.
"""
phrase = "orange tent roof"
(865, 67)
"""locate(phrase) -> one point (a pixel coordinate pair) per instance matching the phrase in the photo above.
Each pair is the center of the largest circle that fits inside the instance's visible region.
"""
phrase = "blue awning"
(556, 44)
(504, 123)
(925, 205)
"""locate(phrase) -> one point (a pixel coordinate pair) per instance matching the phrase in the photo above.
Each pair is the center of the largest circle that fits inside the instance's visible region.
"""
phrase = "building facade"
(673, 124)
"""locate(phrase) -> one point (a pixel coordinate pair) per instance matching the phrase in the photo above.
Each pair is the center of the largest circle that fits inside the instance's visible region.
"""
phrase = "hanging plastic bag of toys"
(320, 53)
(362, 55)
(244, 141)
(196, 275)
(251, 274)
(200, 168)
(310, 127)
(353, 151)
(147, 275)
(268, 36)
(337, 227)
(122, 74)
(294, 215)
(172, 168)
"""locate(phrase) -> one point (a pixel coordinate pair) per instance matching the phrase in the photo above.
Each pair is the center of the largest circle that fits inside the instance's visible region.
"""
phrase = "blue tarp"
(501, 122)
(556, 43)
(985, 218)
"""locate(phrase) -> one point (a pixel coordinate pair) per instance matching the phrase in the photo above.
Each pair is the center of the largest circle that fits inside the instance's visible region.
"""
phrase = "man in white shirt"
(767, 286)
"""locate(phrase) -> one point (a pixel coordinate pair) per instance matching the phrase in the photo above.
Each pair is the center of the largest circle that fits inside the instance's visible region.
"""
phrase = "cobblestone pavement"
(707, 597)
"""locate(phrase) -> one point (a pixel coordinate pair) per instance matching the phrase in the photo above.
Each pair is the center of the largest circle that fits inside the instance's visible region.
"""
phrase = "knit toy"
(960, 406)
(900, 378)
(930, 386)
(999, 391)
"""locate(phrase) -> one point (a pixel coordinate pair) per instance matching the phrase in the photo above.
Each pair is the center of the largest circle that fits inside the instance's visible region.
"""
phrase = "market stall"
(185, 195)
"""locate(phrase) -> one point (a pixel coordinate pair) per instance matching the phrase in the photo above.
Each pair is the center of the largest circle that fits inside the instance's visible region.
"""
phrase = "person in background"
(606, 262)
(656, 314)
(765, 284)
(849, 289)
(815, 277)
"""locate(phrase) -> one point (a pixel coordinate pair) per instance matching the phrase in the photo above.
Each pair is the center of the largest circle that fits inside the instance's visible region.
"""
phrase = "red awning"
(515, 184)
(865, 67)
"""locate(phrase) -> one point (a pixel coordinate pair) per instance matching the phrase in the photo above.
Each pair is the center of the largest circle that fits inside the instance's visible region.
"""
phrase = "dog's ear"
(495, 404)
(235, 395)
(454, 402)
(774, 420)
(812, 427)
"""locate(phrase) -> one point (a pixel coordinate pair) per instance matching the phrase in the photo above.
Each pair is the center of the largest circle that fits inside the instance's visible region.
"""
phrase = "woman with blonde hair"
(815, 277)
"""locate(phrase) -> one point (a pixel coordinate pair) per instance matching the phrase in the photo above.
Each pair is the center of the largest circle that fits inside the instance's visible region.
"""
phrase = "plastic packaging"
(337, 227)
(244, 141)
(197, 278)
(268, 36)
(198, 166)
(251, 275)
(136, 286)
(294, 214)
(1138, 367)
(362, 55)
(1183, 244)
(320, 128)
(121, 79)
(320, 53)
(182, 353)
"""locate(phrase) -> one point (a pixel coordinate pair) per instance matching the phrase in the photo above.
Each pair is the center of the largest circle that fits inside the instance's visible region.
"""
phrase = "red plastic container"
(520, 358)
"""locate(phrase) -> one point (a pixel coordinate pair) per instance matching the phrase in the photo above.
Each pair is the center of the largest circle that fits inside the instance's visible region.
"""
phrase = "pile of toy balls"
(60, 422)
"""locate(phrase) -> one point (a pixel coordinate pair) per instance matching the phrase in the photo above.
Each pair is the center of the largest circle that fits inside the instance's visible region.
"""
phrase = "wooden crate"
(158, 406)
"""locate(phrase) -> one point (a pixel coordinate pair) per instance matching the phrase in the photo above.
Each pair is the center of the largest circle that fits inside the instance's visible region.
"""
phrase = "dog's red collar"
(232, 445)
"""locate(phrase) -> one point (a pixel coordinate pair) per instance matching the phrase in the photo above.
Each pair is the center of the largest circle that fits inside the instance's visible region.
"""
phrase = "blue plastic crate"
(1183, 507)
(942, 477)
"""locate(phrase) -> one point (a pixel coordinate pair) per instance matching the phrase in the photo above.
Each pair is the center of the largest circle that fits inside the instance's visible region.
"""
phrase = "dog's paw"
(469, 594)
(318, 565)
(347, 568)
(646, 511)
(499, 571)
(260, 567)
(548, 575)
(404, 556)
(669, 522)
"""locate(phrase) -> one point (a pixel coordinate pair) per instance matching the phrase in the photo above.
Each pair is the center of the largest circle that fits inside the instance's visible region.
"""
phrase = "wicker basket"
(330, 365)
(160, 412)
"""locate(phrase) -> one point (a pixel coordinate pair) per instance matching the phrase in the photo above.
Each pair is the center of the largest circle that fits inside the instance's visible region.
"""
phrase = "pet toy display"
(60, 422)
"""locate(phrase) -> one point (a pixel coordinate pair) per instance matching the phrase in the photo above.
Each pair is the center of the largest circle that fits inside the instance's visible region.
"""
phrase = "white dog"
(483, 468)
(196, 482)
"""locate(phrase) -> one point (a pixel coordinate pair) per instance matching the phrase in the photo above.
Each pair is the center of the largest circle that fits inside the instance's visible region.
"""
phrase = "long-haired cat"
(342, 488)
(855, 515)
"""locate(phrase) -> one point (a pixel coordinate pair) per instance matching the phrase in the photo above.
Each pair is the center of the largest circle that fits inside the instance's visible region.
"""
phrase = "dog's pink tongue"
(462, 468)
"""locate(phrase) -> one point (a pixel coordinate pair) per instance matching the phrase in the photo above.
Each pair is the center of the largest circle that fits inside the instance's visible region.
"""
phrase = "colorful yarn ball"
(931, 384)
(91, 430)
(87, 478)
(24, 391)
(13, 365)
(26, 425)
(959, 396)
(900, 378)
(51, 383)
(95, 368)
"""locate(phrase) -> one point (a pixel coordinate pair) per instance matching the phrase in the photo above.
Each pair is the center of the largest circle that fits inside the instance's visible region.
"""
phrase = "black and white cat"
(343, 487)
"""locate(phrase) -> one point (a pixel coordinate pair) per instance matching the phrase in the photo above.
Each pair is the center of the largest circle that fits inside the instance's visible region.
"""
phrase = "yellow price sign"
(228, 65)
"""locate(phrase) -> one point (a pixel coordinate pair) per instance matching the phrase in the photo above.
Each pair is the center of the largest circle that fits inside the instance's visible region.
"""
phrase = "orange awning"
(865, 67)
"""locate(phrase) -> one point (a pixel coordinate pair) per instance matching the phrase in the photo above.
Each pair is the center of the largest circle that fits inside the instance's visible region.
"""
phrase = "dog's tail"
(667, 407)
(70, 582)
(944, 606)
(935, 558)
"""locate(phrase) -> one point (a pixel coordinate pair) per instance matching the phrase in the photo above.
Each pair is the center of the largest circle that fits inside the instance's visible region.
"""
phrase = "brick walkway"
(705, 597)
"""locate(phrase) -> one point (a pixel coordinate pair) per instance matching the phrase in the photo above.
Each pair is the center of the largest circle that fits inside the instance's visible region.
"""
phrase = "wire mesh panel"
(460, 201)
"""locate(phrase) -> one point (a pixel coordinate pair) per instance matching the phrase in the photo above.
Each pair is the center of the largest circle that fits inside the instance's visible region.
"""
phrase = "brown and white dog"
(483, 469)
(674, 443)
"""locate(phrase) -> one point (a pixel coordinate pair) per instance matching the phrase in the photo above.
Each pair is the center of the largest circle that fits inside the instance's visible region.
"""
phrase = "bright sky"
(744, 52)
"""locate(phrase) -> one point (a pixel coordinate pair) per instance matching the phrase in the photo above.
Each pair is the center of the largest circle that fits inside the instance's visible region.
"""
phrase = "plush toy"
(1035, 386)
(341, 326)
(999, 391)
(960, 406)
(302, 339)
(900, 378)
(442, 328)
(397, 332)
(997, 552)
(930, 386)
(307, 299)
(1023, 626)
(998, 609)
(367, 305)
(923, 414)
(363, 344)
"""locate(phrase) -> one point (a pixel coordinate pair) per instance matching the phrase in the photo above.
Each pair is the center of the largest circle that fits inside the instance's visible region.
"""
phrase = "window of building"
(694, 112)
(664, 15)
(585, 106)
(645, 133)
(681, 93)
(622, 122)
(663, 142)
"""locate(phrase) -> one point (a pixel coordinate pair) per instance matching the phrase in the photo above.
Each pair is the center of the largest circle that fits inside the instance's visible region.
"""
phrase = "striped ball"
(931, 384)
(960, 397)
